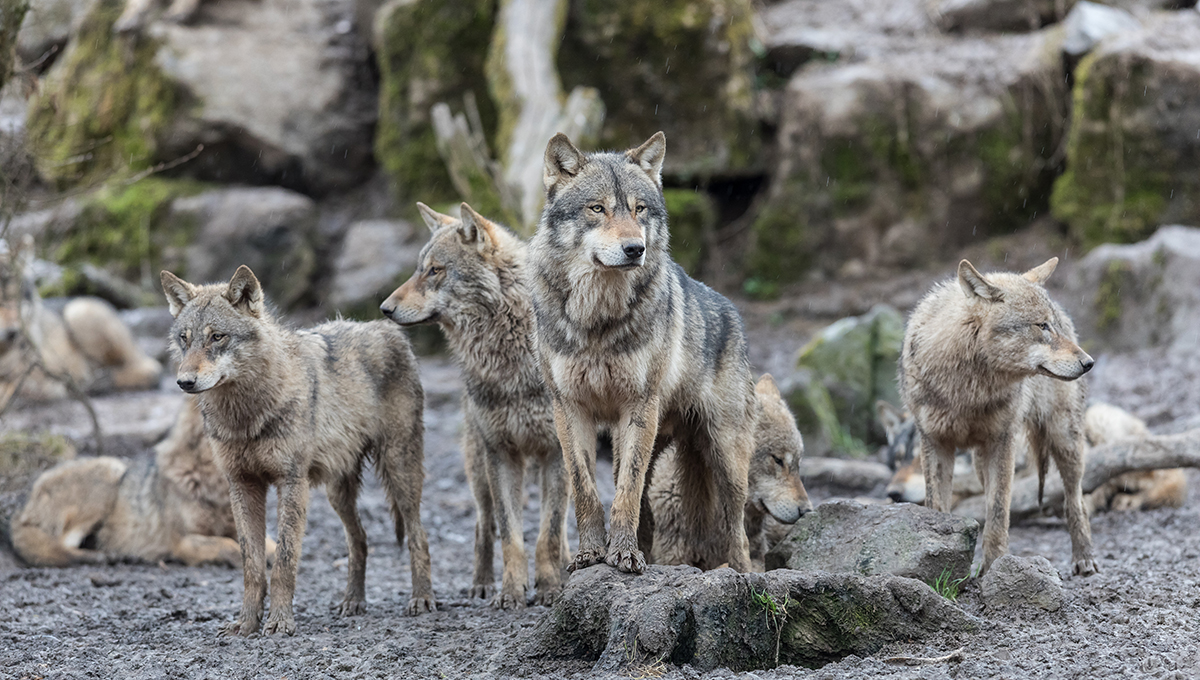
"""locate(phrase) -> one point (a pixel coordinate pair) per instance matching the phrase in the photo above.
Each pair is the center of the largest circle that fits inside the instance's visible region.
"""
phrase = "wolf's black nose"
(896, 496)
(1087, 364)
(186, 385)
(633, 250)
(387, 310)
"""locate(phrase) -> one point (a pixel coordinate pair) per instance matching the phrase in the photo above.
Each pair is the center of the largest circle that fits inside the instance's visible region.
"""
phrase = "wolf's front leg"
(550, 555)
(639, 429)
(996, 459)
(577, 435)
(293, 518)
(249, 503)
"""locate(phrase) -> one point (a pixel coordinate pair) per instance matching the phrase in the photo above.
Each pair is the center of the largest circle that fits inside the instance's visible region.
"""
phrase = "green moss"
(105, 107)
(693, 216)
(823, 624)
(1108, 294)
(430, 51)
(12, 13)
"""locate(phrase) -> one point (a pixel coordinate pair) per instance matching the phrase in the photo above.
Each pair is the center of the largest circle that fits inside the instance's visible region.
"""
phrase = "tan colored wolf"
(627, 340)
(774, 485)
(983, 356)
(175, 507)
(299, 408)
(470, 280)
(88, 344)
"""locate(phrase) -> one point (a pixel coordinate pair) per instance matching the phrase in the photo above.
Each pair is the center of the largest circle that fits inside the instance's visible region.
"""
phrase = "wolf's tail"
(1042, 461)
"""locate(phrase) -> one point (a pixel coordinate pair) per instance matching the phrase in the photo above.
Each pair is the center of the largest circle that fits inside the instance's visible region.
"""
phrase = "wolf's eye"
(640, 209)
(778, 460)
(597, 209)
(183, 338)
(433, 271)
(216, 337)
(1044, 326)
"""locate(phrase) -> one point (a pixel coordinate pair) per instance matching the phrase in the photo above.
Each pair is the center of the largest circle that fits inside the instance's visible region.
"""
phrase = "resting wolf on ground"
(981, 357)
(627, 340)
(294, 409)
(774, 484)
(175, 507)
(470, 280)
(88, 344)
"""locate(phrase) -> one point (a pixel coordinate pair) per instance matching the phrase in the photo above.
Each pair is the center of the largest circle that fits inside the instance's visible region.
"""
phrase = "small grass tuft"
(776, 612)
(947, 586)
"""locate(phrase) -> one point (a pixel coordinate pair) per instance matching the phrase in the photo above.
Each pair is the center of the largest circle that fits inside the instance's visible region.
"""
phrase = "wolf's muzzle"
(186, 385)
(1087, 363)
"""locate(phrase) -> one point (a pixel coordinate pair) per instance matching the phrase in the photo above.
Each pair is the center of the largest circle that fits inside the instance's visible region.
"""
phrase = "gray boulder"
(721, 618)
(47, 25)
(996, 15)
(902, 540)
(1019, 581)
(376, 257)
(1088, 23)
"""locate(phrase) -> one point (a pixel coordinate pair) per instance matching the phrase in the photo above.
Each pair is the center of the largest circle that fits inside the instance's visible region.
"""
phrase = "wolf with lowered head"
(295, 409)
(470, 280)
(628, 341)
(983, 356)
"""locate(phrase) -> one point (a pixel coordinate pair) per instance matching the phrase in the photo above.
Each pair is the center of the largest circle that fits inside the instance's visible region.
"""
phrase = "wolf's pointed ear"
(975, 286)
(245, 292)
(475, 228)
(432, 218)
(178, 292)
(889, 417)
(1040, 273)
(562, 162)
(650, 156)
(766, 386)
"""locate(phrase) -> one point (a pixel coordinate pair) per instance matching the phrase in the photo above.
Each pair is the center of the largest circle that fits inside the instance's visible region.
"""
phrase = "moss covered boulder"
(1133, 154)
(693, 220)
(12, 13)
(428, 51)
(682, 66)
(625, 623)
(894, 159)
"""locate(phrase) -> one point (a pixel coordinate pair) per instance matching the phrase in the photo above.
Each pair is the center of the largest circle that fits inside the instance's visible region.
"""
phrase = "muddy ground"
(1137, 618)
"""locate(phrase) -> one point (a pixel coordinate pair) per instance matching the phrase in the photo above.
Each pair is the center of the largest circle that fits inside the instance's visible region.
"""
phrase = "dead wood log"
(850, 474)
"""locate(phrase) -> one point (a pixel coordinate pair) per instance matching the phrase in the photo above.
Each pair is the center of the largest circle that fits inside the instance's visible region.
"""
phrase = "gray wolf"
(774, 486)
(88, 345)
(903, 456)
(299, 408)
(981, 357)
(470, 280)
(628, 341)
(175, 507)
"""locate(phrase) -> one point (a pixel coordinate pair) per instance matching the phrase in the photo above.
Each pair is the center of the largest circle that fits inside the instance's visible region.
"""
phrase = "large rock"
(893, 159)
(47, 26)
(376, 257)
(721, 618)
(277, 91)
(1018, 581)
(901, 539)
(1088, 23)
(997, 15)
(12, 13)
(1133, 154)
(1130, 297)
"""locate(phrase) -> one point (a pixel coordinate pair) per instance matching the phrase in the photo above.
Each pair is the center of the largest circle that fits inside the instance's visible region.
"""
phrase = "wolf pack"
(589, 329)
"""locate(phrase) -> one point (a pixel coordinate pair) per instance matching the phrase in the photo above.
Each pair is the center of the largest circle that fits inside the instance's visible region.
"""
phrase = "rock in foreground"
(1014, 581)
(721, 618)
(901, 540)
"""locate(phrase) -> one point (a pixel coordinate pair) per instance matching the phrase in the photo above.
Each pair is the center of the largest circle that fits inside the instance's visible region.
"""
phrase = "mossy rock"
(105, 108)
(23, 455)
(682, 66)
(693, 220)
(428, 51)
(12, 13)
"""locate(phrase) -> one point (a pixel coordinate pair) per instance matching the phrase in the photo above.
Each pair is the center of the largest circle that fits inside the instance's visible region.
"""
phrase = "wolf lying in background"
(93, 510)
(983, 356)
(627, 340)
(294, 409)
(1103, 424)
(470, 280)
(774, 484)
(88, 344)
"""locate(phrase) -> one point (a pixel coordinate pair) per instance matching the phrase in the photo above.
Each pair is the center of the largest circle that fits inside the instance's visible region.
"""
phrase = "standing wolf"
(470, 280)
(627, 340)
(294, 409)
(980, 359)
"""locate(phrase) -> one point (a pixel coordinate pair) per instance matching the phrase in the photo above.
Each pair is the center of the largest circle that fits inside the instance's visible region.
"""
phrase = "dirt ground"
(1136, 618)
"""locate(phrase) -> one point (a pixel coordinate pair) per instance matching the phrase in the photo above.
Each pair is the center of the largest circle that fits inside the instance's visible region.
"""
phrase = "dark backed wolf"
(298, 408)
(470, 280)
(626, 340)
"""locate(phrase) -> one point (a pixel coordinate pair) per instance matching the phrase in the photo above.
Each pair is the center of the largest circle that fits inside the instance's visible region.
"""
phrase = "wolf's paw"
(632, 561)
(1125, 502)
(480, 591)
(586, 558)
(280, 623)
(244, 626)
(509, 598)
(420, 605)
(1085, 567)
(349, 606)
(547, 595)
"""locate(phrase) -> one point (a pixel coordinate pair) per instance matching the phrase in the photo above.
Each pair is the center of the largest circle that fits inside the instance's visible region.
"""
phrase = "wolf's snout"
(186, 384)
(633, 248)
(1087, 362)
(10, 334)
(896, 495)
(387, 309)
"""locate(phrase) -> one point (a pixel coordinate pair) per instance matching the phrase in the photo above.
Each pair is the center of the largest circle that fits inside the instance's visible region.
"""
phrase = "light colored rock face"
(1129, 297)
(47, 24)
(376, 256)
(893, 159)
(1019, 581)
(1088, 23)
(268, 229)
(721, 618)
(901, 540)
(996, 15)
(1133, 154)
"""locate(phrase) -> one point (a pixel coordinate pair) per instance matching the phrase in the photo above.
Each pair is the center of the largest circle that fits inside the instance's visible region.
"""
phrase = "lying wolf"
(88, 345)
(628, 341)
(774, 485)
(93, 510)
(983, 356)
(294, 409)
(470, 280)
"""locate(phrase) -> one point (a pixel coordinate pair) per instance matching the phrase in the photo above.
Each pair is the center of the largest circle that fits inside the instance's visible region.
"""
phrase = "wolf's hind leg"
(550, 556)
(194, 549)
(343, 496)
(402, 471)
(1066, 448)
(729, 461)
(485, 519)
(506, 474)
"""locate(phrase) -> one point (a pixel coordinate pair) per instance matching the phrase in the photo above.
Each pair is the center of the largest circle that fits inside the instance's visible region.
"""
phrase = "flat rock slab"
(1020, 581)
(900, 540)
(721, 618)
